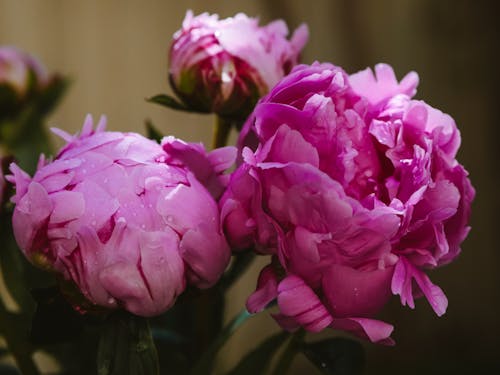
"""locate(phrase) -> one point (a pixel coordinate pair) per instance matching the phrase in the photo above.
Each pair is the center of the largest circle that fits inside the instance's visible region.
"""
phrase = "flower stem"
(205, 363)
(126, 347)
(221, 132)
(288, 354)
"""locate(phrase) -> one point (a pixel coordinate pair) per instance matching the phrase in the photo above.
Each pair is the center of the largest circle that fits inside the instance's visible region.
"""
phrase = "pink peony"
(225, 66)
(123, 218)
(354, 190)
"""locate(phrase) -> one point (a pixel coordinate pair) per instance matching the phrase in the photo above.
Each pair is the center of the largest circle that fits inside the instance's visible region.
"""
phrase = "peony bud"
(116, 217)
(225, 66)
(20, 75)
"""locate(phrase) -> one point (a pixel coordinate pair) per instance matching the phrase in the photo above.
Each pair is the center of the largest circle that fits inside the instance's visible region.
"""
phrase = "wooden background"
(115, 53)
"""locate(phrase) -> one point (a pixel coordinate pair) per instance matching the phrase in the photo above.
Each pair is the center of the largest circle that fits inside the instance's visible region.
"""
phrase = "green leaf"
(206, 361)
(259, 359)
(291, 349)
(170, 102)
(152, 132)
(126, 347)
(336, 356)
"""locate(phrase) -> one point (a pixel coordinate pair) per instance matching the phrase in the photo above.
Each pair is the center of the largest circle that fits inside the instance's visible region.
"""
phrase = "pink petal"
(374, 330)
(298, 301)
(404, 274)
(267, 290)
(162, 268)
(352, 292)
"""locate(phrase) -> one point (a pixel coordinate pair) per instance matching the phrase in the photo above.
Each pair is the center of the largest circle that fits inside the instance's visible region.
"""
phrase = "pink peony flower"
(123, 218)
(225, 66)
(18, 71)
(354, 189)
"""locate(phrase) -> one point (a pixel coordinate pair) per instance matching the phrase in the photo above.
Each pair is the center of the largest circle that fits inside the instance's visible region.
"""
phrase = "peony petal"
(374, 330)
(68, 205)
(30, 216)
(404, 273)
(205, 253)
(361, 293)
(162, 268)
(266, 292)
(299, 302)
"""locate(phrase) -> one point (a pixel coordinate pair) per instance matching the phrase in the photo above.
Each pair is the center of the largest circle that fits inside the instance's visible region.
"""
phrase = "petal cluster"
(225, 66)
(124, 218)
(353, 189)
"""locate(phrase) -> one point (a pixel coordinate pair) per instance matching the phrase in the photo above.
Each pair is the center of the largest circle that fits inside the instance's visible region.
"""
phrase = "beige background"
(115, 53)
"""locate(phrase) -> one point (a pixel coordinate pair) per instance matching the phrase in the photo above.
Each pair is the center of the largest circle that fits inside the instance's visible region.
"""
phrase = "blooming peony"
(225, 66)
(123, 218)
(354, 189)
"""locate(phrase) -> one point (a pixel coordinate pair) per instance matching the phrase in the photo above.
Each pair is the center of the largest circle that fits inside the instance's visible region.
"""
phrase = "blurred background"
(116, 55)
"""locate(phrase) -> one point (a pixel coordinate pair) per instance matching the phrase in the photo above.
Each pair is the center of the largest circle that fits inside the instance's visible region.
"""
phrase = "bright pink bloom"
(225, 66)
(354, 190)
(123, 218)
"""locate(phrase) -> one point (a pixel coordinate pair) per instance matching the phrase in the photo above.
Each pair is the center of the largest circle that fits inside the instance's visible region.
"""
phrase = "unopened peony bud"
(123, 219)
(20, 74)
(225, 66)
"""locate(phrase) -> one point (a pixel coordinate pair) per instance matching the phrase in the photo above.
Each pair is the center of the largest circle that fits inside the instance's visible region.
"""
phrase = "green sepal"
(172, 103)
(152, 132)
(48, 99)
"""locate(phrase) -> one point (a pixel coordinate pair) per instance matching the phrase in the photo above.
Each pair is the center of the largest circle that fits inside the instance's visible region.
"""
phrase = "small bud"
(225, 66)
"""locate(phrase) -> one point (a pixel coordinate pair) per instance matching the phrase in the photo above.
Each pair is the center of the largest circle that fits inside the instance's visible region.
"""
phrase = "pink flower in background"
(123, 219)
(20, 72)
(354, 189)
(225, 66)
(2, 184)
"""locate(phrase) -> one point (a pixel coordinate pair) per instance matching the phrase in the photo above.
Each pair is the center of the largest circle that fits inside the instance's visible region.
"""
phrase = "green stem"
(289, 353)
(126, 347)
(222, 130)
(20, 350)
(205, 363)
